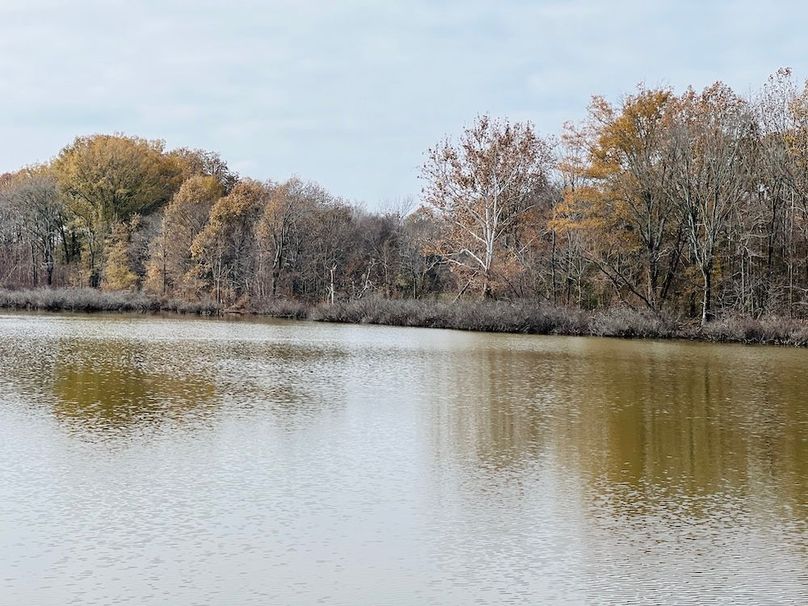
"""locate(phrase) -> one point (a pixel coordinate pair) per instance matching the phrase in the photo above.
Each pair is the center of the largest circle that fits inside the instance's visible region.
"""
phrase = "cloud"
(350, 93)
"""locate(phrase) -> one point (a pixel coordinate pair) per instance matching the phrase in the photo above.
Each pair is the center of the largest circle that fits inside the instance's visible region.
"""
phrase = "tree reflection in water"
(654, 419)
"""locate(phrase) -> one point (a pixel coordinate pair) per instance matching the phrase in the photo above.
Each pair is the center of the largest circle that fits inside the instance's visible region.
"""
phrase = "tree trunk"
(95, 275)
(486, 290)
(553, 267)
(707, 300)
(277, 261)
(34, 277)
(333, 269)
(165, 264)
(273, 283)
(653, 278)
(49, 267)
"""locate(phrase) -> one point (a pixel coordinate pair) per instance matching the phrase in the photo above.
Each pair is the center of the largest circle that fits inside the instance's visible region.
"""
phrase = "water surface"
(151, 460)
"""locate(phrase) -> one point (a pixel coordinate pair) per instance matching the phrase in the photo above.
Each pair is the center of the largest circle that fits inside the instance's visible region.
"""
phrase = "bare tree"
(481, 187)
(33, 203)
(712, 137)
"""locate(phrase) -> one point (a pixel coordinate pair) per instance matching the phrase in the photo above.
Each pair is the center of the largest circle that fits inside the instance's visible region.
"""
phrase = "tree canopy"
(691, 205)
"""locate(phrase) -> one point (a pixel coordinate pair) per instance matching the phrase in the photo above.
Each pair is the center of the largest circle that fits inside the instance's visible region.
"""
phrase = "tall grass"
(283, 308)
(770, 330)
(93, 300)
(484, 316)
(538, 318)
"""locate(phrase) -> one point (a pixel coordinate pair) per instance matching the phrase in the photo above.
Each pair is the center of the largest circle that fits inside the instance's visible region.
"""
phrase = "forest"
(685, 208)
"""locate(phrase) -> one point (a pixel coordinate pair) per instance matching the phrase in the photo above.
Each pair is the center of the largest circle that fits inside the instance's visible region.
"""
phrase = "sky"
(351, 93)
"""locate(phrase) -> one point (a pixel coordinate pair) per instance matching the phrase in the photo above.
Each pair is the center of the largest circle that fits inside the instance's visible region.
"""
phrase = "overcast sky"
(351, 92)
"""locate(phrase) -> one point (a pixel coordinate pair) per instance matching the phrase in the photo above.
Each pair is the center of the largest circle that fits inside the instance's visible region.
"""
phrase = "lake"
(165, 460)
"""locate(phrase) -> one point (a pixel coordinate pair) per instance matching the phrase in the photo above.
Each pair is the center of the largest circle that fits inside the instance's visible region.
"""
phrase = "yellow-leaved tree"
(171, 266)
(225, 248)
(108, 178)
(623, 195)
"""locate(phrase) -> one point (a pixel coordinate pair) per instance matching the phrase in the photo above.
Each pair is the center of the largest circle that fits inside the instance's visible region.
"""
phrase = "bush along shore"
(94, 300)
(481, 316)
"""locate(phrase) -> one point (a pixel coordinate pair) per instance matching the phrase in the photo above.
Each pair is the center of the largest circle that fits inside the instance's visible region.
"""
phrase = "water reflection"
(117, 384)
(292, 382)
(655, 418)
(491, 407)
(115, 374)
(295, 462)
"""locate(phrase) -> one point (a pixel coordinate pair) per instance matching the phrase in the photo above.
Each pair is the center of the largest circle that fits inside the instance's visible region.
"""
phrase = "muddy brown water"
(148, 460)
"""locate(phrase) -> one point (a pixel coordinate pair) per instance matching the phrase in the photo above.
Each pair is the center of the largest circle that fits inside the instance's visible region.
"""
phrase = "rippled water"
(181, 461)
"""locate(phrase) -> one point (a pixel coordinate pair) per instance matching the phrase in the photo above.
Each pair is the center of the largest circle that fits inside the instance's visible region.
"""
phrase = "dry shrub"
(93, 300)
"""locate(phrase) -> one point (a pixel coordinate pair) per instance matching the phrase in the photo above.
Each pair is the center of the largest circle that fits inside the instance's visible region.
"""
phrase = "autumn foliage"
(688, 205)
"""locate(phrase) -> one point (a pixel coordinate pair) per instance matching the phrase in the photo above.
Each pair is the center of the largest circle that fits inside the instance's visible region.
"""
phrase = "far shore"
(520, 317)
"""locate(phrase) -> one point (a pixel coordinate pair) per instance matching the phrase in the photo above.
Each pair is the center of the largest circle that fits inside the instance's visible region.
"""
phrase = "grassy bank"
(93, 300)
(537, 318)
(491, 316)
(482, 316)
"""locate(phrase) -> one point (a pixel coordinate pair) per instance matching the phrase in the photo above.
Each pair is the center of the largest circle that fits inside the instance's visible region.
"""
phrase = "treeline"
(685, 205)
(122, 213)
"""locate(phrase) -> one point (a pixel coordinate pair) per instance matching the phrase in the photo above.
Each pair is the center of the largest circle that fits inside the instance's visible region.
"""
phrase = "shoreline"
(472, 316)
